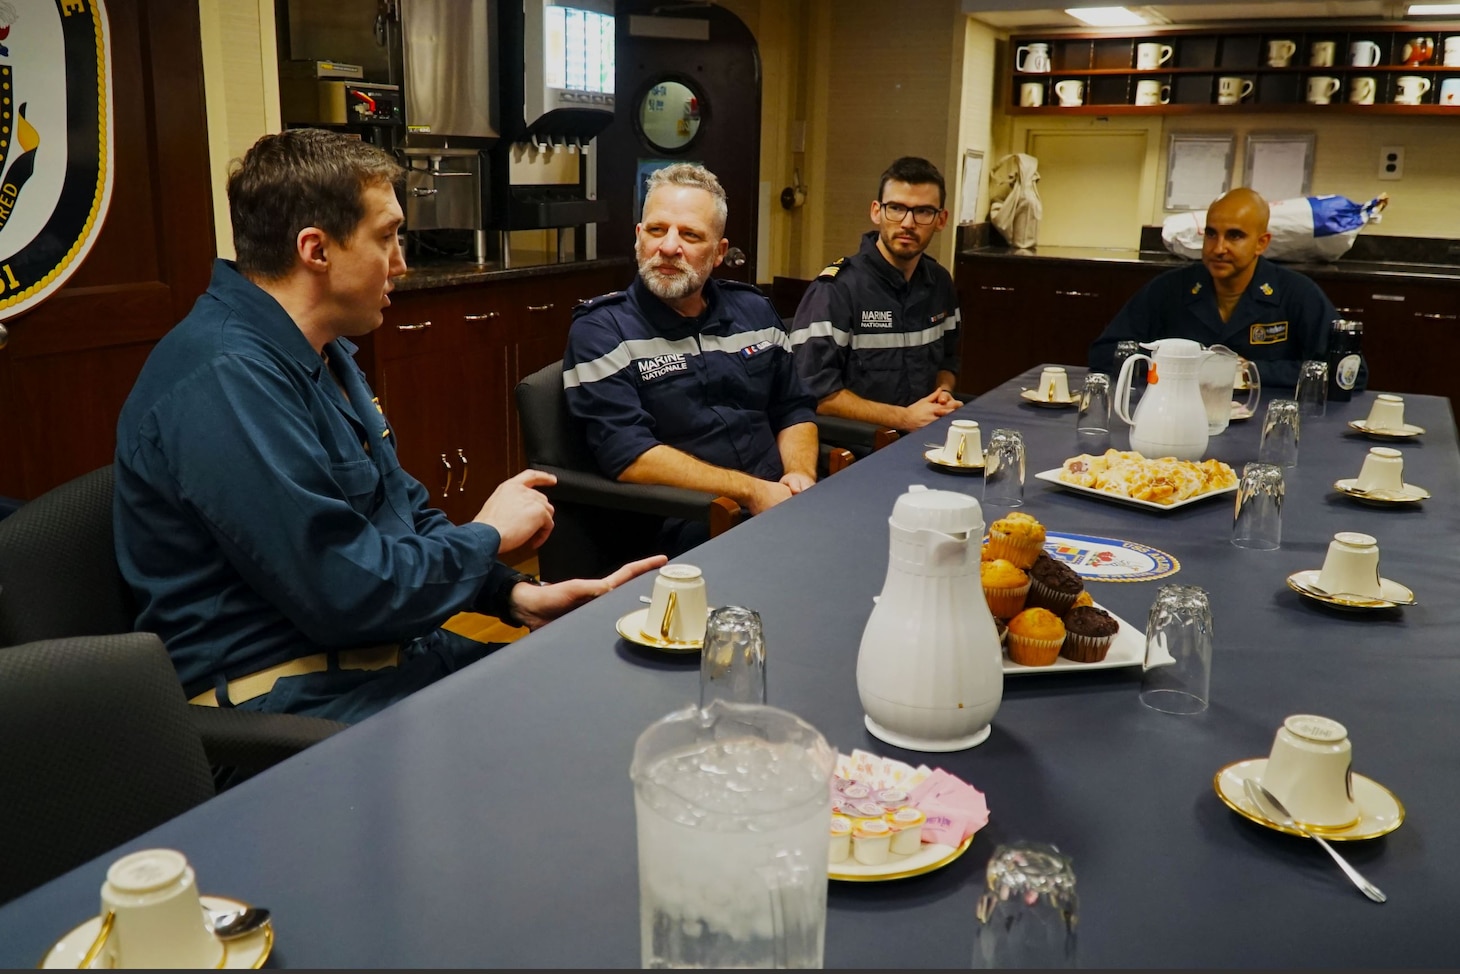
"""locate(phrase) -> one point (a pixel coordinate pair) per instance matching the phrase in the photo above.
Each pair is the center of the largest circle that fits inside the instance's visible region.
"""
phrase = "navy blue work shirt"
(261, 513)
(719, 386)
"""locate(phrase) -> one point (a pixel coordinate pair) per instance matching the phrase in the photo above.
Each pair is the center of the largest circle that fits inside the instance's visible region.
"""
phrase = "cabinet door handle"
(486, 316)
(540, 307)
(994, 287)
(1077, 294)
(1436, 317)
(1388, 297)
(446, 490)
(461, 484)
(418, 326)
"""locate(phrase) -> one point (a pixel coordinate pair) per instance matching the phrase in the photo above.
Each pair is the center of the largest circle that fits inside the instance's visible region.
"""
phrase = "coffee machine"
(444, 192)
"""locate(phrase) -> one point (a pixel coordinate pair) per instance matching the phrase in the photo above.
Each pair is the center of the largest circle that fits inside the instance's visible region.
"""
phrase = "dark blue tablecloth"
(489, 820)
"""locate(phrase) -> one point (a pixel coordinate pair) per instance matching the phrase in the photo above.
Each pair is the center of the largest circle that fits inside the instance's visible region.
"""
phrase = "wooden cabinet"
(1107, 69)
(1411, 331)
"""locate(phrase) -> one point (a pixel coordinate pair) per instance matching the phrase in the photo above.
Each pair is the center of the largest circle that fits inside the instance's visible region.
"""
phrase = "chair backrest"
(58, 566)
(97, 746)
(550, 435)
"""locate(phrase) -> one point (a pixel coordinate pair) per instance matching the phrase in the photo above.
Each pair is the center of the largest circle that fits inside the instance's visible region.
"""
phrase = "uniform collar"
(266, 316)
(1263, 288)
(665, 319)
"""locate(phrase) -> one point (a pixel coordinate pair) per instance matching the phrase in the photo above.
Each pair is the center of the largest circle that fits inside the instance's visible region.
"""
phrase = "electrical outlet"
(1391, 162)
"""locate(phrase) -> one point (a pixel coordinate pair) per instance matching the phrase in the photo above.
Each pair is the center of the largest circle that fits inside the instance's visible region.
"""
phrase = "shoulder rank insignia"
(740, 286)
(1196, 288)
(1266, 289)
(612, 297)
(831, 270)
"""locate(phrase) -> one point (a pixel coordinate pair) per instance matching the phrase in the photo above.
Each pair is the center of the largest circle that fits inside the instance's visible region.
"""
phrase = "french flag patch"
(756, 349)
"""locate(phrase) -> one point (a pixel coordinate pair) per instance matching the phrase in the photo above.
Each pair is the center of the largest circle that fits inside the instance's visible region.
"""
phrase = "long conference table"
(489, 820)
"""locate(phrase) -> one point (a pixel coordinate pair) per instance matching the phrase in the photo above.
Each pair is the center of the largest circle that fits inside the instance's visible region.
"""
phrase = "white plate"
(935, 456)
(1053, 477)
(245, 953)
(1033, 397)
(1409, 494)
(631, 628)
(1127, 649)
(932, 855)
(1403, 432)
(1380, 811)
(1391, 593)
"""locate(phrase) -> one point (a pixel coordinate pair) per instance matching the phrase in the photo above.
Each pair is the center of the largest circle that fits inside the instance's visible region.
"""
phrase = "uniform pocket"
(359, 481)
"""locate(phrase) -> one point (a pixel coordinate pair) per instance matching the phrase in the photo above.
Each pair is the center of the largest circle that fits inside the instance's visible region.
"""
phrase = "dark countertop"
(453, 273)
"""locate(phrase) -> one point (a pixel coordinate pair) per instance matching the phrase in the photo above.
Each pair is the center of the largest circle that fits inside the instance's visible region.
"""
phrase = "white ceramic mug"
(1152, 93)
(1410, 88)
(1280, 52)
(1231, 90)
(1031, 95)
(1320, 55)
(1032, 58)
(1387, 413)
(964, 444)
(1363, 54)
(1054, 385)
(1351, 566)
(1383, 469)
(1451, 57)
(1450, 92)
(157, 918)
(678, 609)
(1361, 91)
(1321, 89)
(1150, 56)
(1070, 92)
(1309, 769)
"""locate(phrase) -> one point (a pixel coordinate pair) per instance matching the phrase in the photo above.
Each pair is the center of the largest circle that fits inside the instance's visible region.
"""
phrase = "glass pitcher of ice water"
(733, 811)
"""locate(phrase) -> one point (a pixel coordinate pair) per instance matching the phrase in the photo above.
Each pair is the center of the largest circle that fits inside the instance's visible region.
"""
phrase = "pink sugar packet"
(955, 809)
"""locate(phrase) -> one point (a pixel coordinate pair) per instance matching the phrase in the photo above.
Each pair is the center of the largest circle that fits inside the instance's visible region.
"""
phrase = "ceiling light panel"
(1107, 16)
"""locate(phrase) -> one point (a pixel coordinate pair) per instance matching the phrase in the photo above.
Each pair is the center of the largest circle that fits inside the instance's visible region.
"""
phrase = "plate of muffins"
(1046, 619)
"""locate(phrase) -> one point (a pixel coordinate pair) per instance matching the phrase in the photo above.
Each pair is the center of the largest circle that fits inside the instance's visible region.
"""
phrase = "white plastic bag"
(1306, 228)
(1015, 208)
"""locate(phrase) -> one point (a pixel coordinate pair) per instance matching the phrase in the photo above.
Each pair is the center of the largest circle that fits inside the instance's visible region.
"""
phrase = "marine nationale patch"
(1269, 334)
(55, 143)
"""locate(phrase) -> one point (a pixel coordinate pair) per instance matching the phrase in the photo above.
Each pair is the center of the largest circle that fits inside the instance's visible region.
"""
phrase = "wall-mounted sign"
(55, 143)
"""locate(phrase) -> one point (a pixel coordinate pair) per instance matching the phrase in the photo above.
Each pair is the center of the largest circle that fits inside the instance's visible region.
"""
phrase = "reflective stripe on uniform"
(906, 339)
(819, 329)
(619, 357)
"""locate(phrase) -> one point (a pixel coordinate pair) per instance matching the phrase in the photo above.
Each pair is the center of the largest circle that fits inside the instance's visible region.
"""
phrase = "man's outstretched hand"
(537, 605)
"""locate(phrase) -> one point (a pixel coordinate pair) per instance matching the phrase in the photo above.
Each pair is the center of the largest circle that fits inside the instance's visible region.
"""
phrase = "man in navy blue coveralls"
(1264, 312)
(262, 519)
(688, 381)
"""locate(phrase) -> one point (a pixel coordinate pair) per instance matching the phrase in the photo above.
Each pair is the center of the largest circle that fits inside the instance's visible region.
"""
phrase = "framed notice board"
(1198, 168)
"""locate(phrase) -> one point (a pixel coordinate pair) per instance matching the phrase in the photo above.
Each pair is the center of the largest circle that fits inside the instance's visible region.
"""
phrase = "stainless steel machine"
(444, 192)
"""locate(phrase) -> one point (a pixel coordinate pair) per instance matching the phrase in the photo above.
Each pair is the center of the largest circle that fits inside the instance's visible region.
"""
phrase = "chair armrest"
(251, 741)
(859, 437)
(596, 490)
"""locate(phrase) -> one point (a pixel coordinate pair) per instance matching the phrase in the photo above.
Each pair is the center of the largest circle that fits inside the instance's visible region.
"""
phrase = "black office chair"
(59, 578)
(96, 747)
(854, 435)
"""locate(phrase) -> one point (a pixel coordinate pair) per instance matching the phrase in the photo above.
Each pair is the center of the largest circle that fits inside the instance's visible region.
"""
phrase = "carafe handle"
(1122, 387)
(1248, 368)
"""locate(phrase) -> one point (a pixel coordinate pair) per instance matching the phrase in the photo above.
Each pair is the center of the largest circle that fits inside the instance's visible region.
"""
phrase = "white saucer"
(1403, 432)
(1380, 812)
(935, 456)
(1409, 494)
(1033, 397)
(245, 953)
(631, 627)
(1391, 593)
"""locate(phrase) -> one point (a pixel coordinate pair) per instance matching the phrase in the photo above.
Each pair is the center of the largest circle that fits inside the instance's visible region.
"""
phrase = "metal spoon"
(1273, 809)
(239, 923)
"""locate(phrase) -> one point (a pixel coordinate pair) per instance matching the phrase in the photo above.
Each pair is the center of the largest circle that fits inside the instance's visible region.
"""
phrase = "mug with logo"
(1280, 52)
(1151, 56)
(1152, 93)
(1031, 95)
(1410, 88)
(1231, 90)
(1452, 52)
(1320, 55)
(1321, 89)
(1071, 93)
(1361, 91)
(1418, 51)
(1032, 58)
(1450, 92)
(1363, 54)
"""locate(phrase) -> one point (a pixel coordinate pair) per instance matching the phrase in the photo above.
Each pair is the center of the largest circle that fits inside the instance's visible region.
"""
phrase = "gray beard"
(669, 289)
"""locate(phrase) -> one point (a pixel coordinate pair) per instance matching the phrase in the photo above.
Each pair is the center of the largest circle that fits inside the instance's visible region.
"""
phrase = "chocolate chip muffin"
(1088, 634)
(1053, 585)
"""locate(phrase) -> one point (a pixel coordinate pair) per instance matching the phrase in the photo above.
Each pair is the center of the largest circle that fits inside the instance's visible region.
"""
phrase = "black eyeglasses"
(922, 215)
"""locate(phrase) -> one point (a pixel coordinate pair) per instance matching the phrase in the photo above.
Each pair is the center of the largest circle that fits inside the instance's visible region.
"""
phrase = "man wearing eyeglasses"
(876, 335)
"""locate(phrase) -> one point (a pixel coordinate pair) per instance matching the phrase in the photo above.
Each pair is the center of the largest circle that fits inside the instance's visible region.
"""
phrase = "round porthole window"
(670, 114)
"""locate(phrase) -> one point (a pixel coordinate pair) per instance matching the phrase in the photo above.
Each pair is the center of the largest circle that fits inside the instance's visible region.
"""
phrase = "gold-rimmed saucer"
(931, 856)
(936, 458)
(248, 952)
(1033, 397)
(1405, 431)
(1380, 810)
(631, 628)
(1381, 496)
(1392, 595)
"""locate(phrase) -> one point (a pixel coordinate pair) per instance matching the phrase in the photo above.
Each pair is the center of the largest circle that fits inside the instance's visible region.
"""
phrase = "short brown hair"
(915, 171)
(296, 179)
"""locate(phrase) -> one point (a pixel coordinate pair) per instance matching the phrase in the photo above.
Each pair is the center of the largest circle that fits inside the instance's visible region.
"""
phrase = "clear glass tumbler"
(1178, 629)
(732, 662)
(1312, 390)
(1092, 424)
(1003, 471)
(1258, 519)
(1280, 429)
(1027, 916)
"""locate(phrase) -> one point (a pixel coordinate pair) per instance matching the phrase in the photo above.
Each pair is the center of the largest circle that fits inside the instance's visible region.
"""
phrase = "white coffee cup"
(1031, 95)
(1321, 89)
(1410, 88)
(1383, 469)
(1363, 54)
(678, 609)
(1070, 92)
(1054, 385)
(1351, 566)
(157, 918)
(1387, 413)
(1231, 90)
(1032, 58)
(1361, 90)
(964, 444)
(1309, 769)
(1280, 52)
(1450, 92)
(1150, 56)
(1320, 55)
(1152, 93)
(1451, 57)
